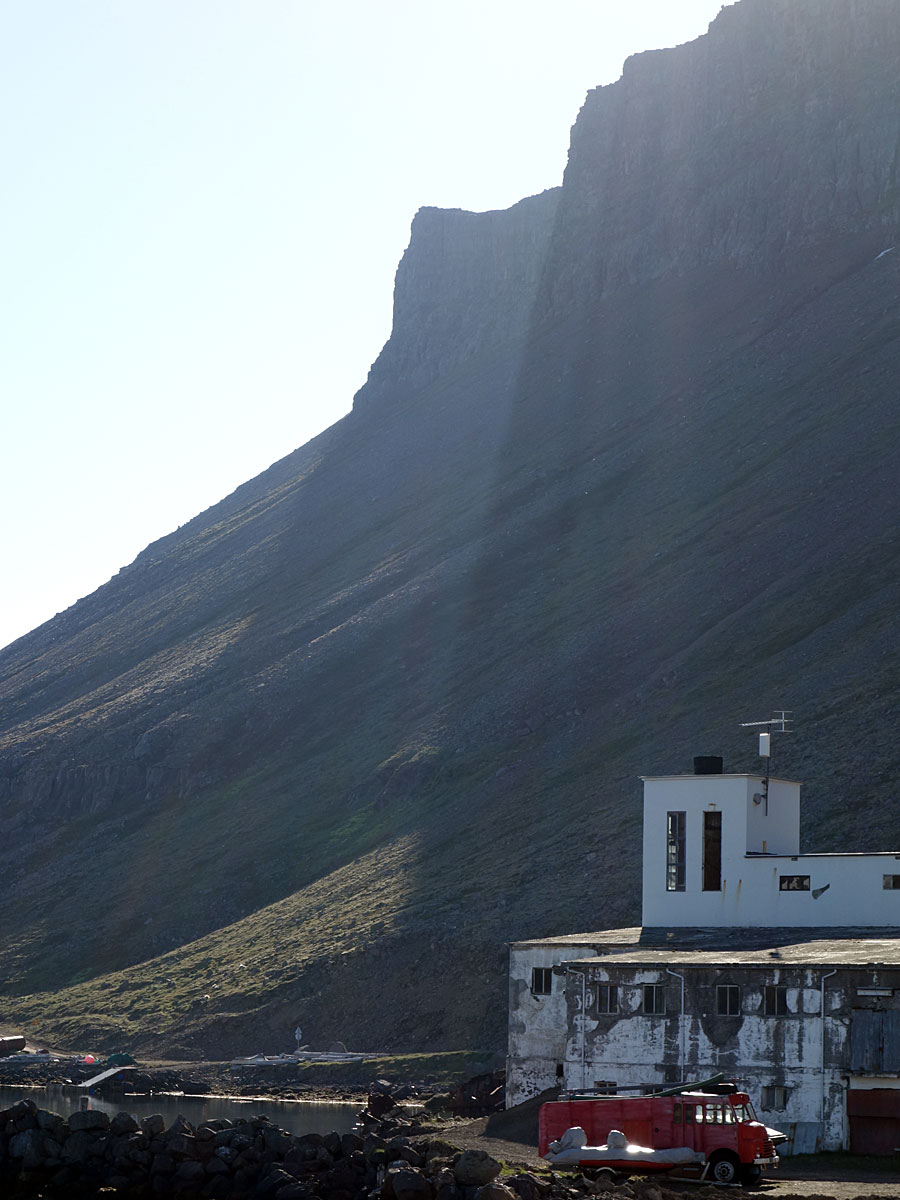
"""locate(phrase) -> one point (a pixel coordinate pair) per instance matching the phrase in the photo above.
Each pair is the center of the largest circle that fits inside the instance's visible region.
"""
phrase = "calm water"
(298, 1117)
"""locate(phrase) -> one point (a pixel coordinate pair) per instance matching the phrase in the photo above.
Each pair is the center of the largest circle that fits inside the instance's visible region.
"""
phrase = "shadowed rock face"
(623, 476)
(760, 138)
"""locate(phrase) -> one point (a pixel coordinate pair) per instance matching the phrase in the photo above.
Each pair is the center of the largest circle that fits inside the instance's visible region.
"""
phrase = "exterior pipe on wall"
(583, 1023)
(680, 1021)
(827, 975)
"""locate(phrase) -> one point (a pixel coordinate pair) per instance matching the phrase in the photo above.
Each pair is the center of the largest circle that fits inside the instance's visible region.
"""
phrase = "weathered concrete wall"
(806, 1050)
(537, 1024)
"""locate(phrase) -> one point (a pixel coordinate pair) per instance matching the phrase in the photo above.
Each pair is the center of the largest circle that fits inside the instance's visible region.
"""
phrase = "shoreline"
(510, 1137)
(235, 1097)
(211, 1081)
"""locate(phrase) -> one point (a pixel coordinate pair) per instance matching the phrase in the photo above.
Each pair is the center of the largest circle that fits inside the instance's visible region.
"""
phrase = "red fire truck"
(720, 1124)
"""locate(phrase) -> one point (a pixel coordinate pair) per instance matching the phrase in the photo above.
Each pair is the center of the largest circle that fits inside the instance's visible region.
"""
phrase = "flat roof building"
(778, 968)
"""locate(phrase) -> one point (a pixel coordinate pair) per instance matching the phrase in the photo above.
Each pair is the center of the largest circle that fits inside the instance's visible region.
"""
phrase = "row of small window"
(711, 858)
(786, 883)
(800, 883)
(728, 996)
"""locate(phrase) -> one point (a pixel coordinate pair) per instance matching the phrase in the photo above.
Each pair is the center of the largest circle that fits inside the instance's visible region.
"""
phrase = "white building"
(724, 850)
(780, 969)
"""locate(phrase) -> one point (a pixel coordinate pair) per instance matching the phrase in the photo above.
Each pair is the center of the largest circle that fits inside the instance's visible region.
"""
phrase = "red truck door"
(713, 1126)
(662, 1132)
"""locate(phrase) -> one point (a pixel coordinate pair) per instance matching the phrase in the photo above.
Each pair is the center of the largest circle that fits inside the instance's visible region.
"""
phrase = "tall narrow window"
(541, 981)
(775, 1000)
(712, 852)
(675, 852)
(728, 1000)
(607, 999)
(654, 999)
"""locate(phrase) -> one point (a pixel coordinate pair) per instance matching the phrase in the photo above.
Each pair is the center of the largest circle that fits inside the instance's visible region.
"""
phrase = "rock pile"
(479, 1096)
(384, 1106)
(43, 1154)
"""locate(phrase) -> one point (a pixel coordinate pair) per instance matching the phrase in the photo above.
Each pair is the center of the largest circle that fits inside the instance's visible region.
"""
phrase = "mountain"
(623, 477)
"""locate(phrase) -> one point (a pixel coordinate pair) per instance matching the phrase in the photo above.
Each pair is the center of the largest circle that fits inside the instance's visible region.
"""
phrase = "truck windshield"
(744, 1112)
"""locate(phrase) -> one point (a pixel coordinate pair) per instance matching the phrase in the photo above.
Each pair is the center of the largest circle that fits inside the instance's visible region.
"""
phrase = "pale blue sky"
(204, 204)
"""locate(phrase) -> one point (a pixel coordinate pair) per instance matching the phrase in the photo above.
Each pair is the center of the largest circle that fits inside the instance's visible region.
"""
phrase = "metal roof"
(850, 947)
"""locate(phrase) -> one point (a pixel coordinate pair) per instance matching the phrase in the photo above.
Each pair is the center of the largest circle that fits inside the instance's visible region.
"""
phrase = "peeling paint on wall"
(755, 980)
(793, 1062)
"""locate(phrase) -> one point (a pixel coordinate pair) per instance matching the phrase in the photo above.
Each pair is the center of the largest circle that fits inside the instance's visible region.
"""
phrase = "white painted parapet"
(756, 875)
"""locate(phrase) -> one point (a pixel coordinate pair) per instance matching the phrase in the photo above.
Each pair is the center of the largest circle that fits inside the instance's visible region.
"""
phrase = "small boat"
(299, 1056)
(618, 1154)
(253, 1060)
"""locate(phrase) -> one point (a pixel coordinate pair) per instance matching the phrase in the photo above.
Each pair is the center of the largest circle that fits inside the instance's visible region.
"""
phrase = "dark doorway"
(712, 852)
(874, 1116)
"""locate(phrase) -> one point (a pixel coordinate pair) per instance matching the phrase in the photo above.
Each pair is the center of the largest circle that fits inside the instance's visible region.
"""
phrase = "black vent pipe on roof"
(708, 764)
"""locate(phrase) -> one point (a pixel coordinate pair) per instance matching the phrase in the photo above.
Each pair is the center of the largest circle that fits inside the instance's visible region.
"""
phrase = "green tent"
(120, 1059)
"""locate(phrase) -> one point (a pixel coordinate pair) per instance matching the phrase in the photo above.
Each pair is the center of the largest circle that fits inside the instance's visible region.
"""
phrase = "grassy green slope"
(321, 754)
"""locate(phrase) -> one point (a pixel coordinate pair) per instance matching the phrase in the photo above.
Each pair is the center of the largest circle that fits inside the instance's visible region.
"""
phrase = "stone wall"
(43, 1154)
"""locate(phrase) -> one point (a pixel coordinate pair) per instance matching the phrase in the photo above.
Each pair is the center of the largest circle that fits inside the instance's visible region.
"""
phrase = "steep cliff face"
(465, 288)
(774, 132)
(623, 476)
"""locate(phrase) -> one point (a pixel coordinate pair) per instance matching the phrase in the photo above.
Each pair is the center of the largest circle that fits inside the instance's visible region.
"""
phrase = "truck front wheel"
(750, 1176)
(724, 1167)
(602, 1174)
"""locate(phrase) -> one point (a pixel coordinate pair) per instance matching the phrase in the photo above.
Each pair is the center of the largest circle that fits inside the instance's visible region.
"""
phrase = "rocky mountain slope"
(622, 477)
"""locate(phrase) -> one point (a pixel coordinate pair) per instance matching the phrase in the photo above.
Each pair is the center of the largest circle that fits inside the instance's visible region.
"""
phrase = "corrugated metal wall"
(874, 1042)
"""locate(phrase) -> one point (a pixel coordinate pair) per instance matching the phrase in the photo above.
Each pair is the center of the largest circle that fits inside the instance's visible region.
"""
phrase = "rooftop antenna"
(777, 724)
